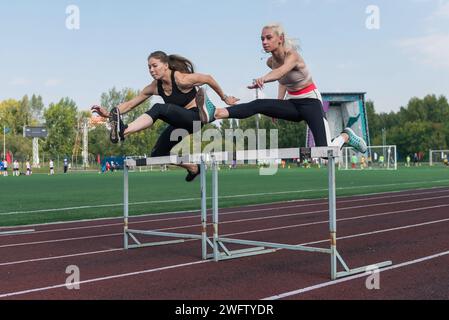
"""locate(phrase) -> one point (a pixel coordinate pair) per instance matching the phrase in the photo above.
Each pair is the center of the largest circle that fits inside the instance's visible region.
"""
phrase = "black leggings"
(178, 118)
(307, 109)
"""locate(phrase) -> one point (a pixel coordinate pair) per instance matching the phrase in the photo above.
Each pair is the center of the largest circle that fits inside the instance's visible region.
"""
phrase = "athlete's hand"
(257, 83)
(231, 100)
(102, 112)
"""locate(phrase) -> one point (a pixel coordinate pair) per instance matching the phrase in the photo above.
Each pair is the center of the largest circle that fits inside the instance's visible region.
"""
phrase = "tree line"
(418, 127)
(421, 125)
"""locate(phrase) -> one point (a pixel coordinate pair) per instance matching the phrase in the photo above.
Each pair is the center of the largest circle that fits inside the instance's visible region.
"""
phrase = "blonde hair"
(289, 43)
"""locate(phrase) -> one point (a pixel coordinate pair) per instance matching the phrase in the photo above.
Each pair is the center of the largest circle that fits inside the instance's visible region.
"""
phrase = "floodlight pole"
(36, 162)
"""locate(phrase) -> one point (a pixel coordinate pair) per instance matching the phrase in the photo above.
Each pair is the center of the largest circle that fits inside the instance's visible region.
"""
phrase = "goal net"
(438, 157)
(376, 158)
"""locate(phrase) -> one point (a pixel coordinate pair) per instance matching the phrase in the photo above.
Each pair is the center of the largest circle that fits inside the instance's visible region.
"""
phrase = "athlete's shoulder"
(270, 62)
(150, 89)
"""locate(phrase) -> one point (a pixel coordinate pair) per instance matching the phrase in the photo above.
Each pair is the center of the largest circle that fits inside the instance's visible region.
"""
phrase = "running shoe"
(191, 176)
(205, 106)
(355, 141)
(117, 127)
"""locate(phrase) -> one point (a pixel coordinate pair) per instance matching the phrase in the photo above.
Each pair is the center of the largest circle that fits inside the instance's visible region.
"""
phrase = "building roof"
(341, 93)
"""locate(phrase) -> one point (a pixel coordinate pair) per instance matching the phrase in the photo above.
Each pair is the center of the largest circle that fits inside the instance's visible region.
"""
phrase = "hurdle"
(202, 160)
(221, 252)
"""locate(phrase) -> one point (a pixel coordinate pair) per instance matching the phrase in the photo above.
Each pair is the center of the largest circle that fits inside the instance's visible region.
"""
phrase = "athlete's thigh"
(180, 117)
(164, 143)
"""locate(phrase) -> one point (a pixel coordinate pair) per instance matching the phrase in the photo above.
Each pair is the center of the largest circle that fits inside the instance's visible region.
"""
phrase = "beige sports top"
(295, 79)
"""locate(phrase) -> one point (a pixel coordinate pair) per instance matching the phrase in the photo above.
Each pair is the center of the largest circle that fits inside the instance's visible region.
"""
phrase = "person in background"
(354, 161)
(52, 167)
(5, 168)
(28, 165)
(407, 164)
(66, 165)
(381, 161)
(15, 166)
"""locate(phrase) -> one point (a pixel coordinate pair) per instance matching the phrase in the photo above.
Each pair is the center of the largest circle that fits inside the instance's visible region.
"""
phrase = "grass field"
(41, 198)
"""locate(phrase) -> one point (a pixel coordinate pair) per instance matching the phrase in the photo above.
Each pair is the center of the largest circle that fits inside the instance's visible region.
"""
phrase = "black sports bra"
(177, 97)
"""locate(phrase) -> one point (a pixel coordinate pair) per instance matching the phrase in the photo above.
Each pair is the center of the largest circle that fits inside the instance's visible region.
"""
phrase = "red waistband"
(303, 90)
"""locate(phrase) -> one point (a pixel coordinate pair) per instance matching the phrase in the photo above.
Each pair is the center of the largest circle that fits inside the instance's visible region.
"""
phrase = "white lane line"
(260, 218)
(222, 197)
(256, 210)
(333, 282)
(249, 232)
(242, 211)
(61, 240)
(16, 232)
(362, 197)
(199, 262)
(60, 257)
(5, 295)
(325, 222)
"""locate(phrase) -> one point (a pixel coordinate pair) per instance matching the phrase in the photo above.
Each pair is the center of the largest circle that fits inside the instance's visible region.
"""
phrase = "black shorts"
(307, 109)
(178, 118)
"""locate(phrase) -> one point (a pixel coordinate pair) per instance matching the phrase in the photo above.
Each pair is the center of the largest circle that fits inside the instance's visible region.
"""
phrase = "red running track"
(409, 228)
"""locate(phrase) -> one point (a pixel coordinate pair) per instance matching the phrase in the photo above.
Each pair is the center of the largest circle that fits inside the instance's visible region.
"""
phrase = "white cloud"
(443, 10)
(345, 65)
(52, 82)
(19, 81)
(431, 49)
(280, 2)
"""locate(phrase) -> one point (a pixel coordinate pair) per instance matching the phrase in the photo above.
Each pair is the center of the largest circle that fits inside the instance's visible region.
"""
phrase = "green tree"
(417, 127)
(61, 121)
(291, 134)
(140, 143)
(36, 108)
(15, 114)
(20, 147)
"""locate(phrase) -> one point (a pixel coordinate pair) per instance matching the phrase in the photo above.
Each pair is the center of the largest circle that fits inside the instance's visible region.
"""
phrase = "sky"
(392, 50)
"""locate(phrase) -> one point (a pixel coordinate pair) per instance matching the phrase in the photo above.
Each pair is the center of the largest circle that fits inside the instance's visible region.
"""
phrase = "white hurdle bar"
(259, 247)
(200, 159)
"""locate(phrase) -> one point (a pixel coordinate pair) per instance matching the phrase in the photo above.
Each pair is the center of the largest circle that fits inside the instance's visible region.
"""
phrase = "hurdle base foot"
(234, 254)
(364, 269)
(153, 244)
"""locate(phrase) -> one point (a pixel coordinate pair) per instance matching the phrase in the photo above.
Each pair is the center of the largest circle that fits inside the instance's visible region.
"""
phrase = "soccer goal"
(438, 157)
(375, 158)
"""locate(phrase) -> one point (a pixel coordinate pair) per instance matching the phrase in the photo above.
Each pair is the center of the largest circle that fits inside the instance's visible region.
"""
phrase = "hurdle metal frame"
(202, 160)
(219, 249)
(260, 247)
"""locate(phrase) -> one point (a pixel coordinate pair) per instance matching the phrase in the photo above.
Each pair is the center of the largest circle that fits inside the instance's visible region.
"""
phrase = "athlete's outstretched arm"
(291, 61)
(127, 106)
(198, 79)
